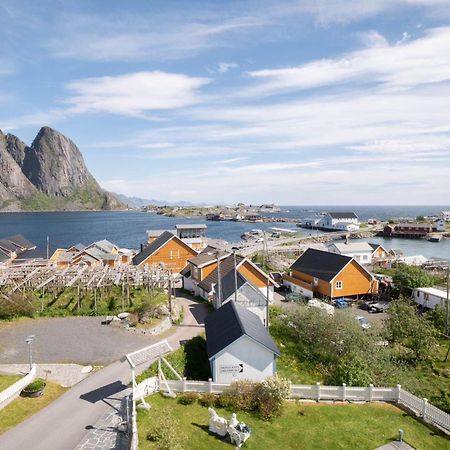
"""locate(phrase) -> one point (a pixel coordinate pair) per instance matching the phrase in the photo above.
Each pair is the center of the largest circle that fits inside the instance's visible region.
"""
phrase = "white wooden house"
(360, 251)
(239, 346)
(344, 221)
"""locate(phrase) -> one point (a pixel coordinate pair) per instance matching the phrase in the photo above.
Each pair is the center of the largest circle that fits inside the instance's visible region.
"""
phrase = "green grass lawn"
(21, 408)
(302, 426)
(8, 380)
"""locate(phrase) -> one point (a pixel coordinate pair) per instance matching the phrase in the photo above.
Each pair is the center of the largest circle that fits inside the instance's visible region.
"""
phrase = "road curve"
(64, 423)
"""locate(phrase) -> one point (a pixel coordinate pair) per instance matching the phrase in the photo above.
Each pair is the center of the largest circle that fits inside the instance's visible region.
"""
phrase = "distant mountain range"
(137, 202)
(48, 175)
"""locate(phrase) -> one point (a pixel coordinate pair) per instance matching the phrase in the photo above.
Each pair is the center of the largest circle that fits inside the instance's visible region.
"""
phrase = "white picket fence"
(420, 407)
(13, 391)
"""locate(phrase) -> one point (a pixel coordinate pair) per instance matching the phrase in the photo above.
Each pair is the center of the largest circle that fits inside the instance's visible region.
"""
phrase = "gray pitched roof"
(104, 245)
(229, 323)
(228, 283)
(226, 265)
(21, 241)
(207, 258)
(190, 226)
(8, 246)
(343, 215)
(152, 247)
(320, 264)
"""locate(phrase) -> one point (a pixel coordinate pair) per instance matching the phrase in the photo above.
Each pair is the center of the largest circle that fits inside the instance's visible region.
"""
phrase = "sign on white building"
(239, 346)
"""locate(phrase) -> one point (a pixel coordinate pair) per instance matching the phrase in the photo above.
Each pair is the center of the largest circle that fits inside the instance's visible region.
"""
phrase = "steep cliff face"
(14, 185)
(50, 174)
(55, 166)
(16, 148)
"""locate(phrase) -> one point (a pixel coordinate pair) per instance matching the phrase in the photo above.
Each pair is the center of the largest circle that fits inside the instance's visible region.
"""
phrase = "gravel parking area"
(375, 318)
(81, 340)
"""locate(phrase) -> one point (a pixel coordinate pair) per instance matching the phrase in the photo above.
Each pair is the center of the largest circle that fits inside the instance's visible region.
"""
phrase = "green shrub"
(165, 432)
(241, 395)
(35, 385)
(270, 396)
(16, 305)
(187, 398)
(207, 400)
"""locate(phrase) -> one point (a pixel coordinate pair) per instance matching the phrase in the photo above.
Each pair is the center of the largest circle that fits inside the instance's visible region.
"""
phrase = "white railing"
(420, 407)
(13, 391)
(148, 386)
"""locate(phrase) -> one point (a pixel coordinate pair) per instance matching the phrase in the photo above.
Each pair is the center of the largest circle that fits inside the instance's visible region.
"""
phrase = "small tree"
(406, 278)
(406, 328)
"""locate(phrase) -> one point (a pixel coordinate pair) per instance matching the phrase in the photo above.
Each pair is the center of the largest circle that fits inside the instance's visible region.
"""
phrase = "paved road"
(81, 340)
(64, 423)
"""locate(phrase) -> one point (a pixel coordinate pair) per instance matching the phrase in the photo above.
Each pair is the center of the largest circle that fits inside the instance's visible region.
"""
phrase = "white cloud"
(134, 94)
(224, 67)
(410, 63)
(373, 38)
(95, 38)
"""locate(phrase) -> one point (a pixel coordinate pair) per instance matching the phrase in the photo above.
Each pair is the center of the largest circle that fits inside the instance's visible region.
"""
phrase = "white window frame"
(339, 285)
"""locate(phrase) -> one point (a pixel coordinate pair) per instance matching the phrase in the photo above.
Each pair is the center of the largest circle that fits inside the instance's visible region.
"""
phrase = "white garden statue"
(238, 431)
(217, 424)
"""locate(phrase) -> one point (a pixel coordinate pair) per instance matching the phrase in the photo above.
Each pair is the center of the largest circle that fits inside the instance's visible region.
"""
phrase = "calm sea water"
(128, 229)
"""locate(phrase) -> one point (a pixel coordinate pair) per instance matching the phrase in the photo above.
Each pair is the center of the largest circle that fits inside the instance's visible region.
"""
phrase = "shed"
(239, 346)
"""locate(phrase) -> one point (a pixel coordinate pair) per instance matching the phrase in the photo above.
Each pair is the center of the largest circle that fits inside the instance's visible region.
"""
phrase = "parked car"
(379, 307)
(365, 325)
(294, 297)
(341, 303)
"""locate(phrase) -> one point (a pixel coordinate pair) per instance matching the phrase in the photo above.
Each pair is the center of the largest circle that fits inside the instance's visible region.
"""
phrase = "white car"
(365, 325)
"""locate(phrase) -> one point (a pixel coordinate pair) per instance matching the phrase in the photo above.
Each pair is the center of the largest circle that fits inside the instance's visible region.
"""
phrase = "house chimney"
(142, 247)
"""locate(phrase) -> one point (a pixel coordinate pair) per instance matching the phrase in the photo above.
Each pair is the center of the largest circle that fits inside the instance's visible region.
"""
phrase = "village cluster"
(325, 276)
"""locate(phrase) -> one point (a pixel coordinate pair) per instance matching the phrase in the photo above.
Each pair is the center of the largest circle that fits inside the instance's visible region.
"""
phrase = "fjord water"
(128, 228)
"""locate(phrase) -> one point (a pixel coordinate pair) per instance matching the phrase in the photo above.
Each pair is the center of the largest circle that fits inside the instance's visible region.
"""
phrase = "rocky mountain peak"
(55, 166)
(50, 174)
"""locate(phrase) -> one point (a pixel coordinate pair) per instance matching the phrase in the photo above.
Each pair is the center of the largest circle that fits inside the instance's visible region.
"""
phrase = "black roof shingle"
(343, 215)
(229, 323)
(320, 264)
(152, 247)
(226, 265)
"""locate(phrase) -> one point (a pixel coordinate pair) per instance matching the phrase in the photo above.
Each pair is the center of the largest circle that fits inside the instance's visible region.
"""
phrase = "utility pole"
(219, 282)
(29, 341)
(267, 305)
(235, 278)
(446, 303)
(48, 247)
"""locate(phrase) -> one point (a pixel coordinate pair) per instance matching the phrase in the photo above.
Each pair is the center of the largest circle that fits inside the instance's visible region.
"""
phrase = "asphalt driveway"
(81, 340)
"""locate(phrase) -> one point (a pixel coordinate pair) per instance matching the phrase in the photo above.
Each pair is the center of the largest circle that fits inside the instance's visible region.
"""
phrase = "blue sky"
(292, 102)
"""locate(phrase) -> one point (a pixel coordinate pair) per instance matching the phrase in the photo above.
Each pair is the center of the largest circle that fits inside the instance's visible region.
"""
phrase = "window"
(174, 254)
(338, 284)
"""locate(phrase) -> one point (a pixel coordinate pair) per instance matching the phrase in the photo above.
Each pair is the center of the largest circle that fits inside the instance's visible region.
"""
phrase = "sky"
(293, 102)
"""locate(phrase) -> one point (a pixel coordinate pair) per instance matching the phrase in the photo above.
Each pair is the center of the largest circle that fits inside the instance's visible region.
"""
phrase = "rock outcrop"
(14, 185)
(50, 174)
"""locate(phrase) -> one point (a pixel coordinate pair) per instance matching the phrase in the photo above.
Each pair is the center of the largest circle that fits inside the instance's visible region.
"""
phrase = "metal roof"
(190, 226)
(343, 215)
(320, 264)
(353, 247)
(232, 321)
(21, 241)
(207, 258)
(147, 354)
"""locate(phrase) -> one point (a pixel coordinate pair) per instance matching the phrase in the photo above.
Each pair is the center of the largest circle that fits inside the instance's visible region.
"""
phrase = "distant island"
(237, 213)
(49, 175)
